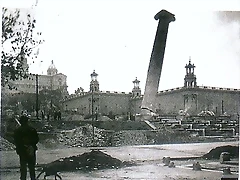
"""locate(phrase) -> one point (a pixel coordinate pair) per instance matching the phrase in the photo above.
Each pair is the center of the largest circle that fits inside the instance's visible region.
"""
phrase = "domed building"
(52, 81)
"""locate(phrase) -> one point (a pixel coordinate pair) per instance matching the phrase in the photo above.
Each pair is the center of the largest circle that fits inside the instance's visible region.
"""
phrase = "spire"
(136, 82)
(94, 76)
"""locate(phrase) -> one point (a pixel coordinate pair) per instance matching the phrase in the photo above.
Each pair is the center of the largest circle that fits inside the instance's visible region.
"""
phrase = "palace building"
(190, 98)
(51, 81)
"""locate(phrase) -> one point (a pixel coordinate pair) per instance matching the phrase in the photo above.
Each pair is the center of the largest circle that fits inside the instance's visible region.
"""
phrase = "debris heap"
(216, 152)
(6, 145)
(82, 137)
(89, 161)
(124, 138)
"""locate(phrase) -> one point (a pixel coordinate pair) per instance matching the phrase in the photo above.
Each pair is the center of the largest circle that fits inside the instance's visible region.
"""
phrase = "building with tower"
(190, 98)
(104, 102)
(52, 81)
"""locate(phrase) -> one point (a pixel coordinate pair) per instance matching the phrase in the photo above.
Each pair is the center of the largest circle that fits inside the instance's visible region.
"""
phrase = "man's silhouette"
(59, 114)
(26, 139)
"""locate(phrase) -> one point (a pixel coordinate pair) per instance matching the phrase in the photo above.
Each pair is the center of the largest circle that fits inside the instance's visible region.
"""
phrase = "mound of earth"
(94, 160)
(5, 145)
(216, 152)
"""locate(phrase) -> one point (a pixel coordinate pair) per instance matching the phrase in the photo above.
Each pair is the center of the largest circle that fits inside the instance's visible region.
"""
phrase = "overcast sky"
(116, 38)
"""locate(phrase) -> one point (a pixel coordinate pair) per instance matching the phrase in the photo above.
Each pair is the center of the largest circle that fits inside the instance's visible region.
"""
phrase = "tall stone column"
(156, 62)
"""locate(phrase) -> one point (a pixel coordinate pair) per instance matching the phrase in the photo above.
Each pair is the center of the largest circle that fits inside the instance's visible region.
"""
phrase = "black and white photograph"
(100, 89)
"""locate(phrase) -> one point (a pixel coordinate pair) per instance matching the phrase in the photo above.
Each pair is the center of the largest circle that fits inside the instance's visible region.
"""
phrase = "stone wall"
(104, 103)
(170, 102)
(194, 100)
(116, 103)
(212, 100)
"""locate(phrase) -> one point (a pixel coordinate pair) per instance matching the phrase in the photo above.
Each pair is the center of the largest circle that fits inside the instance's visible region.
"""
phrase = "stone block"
(166, 161)
(227, 174)
(197, 166)
(224, 156)
(227, 171)
(171, 165)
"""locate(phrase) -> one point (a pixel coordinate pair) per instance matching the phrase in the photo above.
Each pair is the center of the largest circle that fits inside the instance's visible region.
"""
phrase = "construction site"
(181, 146)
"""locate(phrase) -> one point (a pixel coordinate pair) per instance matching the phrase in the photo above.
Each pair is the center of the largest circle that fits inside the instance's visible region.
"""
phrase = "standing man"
(59, 115)
(55, 115)
(48, 116)
(42, 113)
(26, 139)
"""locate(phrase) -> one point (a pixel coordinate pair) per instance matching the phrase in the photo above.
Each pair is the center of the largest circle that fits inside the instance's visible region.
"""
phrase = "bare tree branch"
(17, 35)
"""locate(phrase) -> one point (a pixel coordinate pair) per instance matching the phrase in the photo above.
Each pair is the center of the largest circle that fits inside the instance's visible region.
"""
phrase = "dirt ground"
(141, 172)
(149, 162)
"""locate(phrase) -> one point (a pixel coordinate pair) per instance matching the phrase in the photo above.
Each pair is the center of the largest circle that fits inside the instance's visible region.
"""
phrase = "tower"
(52, 70)
(190, 79)
(136, 91)
(94, 85)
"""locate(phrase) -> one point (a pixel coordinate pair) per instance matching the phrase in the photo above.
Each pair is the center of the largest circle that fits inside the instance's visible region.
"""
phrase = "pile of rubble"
(6, 145)
(89, 161)
(216, 152)
(124, 138)
(82, 137)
